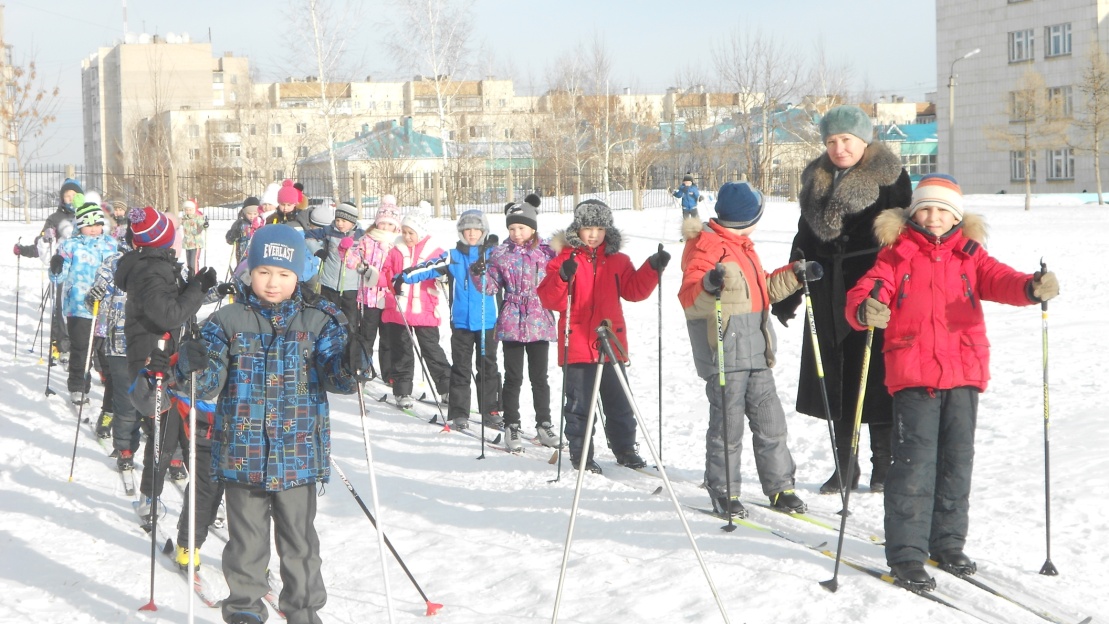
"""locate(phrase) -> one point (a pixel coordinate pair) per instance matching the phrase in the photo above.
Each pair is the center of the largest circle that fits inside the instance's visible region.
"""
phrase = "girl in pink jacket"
(368, 258)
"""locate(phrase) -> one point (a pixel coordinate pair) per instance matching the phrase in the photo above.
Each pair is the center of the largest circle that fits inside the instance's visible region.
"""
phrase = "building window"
(302, 151)
(275, 128)
(919, 164)
(302, 128)
(1057, 40)
(252, 129)
(1060, 164)
(1021, 106)
(194, 131)
(1061, 102)
(1016, 167)
(277, 152)
(194, 153)
(1021, 46)
(217, 77)
(278, 174)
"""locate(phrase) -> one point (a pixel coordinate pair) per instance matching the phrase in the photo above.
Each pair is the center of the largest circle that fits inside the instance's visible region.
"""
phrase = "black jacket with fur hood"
(836, 229)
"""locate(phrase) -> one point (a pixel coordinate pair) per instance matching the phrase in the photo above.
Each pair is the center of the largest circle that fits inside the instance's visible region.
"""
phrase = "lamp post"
(951, 112)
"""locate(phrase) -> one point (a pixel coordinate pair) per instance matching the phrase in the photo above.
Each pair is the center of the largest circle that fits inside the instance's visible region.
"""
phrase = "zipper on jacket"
(903, 290)
(969, 293)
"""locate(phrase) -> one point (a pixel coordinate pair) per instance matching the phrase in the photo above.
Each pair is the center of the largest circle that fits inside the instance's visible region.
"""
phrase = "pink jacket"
(421, 301)
(371, 251)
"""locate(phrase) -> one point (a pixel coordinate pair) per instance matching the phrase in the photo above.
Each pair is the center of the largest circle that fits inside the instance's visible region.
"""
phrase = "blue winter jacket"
(466, 298)
(269, 369)
(113, 308)
(689, 195)
(81, 257)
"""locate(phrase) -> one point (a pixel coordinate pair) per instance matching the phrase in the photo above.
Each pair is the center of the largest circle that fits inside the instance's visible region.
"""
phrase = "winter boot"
(104, 426)
(787, 501)
(629, 458)
(956, 562)
(404, 401)
(493, 419)
(126, 460)
(77, 397)
(546, 435)
(512, 439)
(177, 470)
(144, 510)
(244, 617)
(729, 506)
(445, 398)
(590, 465)
(911, 576)
(461, 423)
(181, 558)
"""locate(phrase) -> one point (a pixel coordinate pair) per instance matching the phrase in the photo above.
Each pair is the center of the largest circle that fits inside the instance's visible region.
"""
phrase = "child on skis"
(72, 270)
(242, 229)
(932, 275)
(719, 264)
(271, 443)
(336, 283)
(120, 223)
(473, 316)
(193, 226)
(597, 289)
(524, 327)
(367, 258)
(690, 196)
(415, 308)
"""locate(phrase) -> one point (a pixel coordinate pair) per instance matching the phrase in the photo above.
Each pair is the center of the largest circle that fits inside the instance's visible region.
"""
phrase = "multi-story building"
(1052, 39)
(8, 187)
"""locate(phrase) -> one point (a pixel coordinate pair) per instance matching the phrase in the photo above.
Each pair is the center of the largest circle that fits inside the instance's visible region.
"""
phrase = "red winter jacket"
(934, 287)
(604, 276)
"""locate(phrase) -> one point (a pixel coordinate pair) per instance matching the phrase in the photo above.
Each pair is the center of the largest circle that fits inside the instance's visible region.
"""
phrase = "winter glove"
(345, 245)
(492, 240)
(205, 278)
(226, 289)
(477, 269)
(48, 235)
(1043, 287)
(568, 269)
(371, 275)
(659, 260)
(205, 223)
(192, 356)
(808, 271)
(56, 264)
(398, 284)
(357, 359)
(713, 280)
(96, 293)
(18, 249)
(873, 313)
(158, 363)
(321, 253)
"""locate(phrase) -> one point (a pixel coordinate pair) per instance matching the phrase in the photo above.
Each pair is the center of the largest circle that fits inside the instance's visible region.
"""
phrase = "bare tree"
(1093, 122)
(27, 109)
(1036, 122)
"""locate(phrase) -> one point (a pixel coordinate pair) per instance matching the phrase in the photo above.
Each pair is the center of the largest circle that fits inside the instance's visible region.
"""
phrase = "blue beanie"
(278, 245)
(70, 185)
(738, 205)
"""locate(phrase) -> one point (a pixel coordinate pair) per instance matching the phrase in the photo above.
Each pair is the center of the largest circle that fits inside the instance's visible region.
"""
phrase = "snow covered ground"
(485, 537)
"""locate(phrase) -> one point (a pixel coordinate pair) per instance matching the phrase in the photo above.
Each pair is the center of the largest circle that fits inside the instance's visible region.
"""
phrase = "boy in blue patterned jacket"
(269, 360)
(73, 269)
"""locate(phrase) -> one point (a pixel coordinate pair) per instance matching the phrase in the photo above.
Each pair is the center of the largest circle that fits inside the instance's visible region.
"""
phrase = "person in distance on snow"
(842, 191)
(934, 274)
(719, 260)
(367, 257)
(335, 240)
(690, 196)
(268, 361)
(473, 316)
(242, 229)
(524, 327)
(607, 277)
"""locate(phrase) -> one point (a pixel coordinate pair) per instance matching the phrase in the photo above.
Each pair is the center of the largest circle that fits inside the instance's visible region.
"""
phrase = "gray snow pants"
(927, 495)
(247, 555)
(750, 392)
(126, 421)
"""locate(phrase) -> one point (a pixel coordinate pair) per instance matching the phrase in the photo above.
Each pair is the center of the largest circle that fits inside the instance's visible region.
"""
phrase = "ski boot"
(729, 507)
(788, 502)
(104, 426)
(911, 576)
(177, 470)
(181, 558)
(512, 439)
(956, 562)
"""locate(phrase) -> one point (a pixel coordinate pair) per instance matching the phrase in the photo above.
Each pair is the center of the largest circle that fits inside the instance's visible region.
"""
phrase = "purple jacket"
(518, 269)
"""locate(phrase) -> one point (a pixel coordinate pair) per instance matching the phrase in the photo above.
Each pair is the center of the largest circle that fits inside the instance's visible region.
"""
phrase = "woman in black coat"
(842, 191)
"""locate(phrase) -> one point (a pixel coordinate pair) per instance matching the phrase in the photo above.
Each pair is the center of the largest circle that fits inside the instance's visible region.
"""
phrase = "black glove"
(398, 284)
(96, 293)
(226, 289)
(492, 240)
(158, 362)
(568, 269)
(713, 280)
(477, 269)
(659, 260)
(357, 359)
(192, 356)
(205, 224)
(205, 278)
(321, 253)
(56, 264)
(808, 271)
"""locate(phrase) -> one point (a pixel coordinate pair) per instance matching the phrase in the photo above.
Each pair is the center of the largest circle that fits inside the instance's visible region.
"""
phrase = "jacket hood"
(613, 240)
(825, 203)
(890, 224)
(131, 262)
(692, 228)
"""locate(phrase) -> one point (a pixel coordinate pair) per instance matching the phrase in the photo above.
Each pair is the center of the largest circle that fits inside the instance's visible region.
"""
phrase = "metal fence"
(34, 194)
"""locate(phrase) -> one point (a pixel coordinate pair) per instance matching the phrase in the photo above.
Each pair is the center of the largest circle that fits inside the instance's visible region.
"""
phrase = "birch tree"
(1092, 124)
(27, 109)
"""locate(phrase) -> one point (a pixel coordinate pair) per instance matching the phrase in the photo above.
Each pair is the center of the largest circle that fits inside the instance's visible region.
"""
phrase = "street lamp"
(951, 112)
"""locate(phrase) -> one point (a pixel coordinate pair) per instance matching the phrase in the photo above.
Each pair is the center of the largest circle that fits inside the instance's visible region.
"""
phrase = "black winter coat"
(836, 230)
(158, 301)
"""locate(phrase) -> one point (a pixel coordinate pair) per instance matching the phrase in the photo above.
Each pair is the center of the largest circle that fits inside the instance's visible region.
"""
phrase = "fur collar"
(613, 240)
(824, 204)
(890, 224)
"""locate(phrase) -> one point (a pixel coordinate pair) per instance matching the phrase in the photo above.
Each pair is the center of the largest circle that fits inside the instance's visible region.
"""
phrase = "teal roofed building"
(916, 144)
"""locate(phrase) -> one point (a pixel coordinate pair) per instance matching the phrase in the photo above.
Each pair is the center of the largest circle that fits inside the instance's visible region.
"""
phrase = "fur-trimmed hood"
(825, 204)
(890, 224)
(692, 228)
(613, 240)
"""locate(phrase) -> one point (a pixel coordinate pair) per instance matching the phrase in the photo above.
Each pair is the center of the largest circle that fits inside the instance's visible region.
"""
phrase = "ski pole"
(38, 328)
(660, 359)
(381, 539)
(810, 318)
(84, 377)
(832, 584)
(154, 439)
(565, 363)
(1048, 568)
(18, 272)
(723, 403)
(191, 500)
(49, 365)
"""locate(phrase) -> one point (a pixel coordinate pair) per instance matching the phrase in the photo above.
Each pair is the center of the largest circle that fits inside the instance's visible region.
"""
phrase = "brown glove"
(873, 313)
(1044, 286)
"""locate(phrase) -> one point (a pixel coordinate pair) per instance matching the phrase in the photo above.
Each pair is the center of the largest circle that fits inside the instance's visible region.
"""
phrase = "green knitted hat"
(847, 120)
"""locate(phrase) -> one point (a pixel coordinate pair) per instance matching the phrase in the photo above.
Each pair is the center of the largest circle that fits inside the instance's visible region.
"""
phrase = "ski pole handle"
(1043, 270)
(161, 347)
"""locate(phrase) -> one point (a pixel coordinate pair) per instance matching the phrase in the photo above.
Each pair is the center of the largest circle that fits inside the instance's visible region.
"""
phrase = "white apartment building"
(1052, 37)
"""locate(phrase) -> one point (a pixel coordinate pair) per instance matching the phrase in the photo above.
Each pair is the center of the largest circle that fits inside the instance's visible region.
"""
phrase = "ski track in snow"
(485, 538)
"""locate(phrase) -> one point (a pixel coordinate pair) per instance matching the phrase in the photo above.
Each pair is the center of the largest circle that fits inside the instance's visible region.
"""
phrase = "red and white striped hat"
(940, 190)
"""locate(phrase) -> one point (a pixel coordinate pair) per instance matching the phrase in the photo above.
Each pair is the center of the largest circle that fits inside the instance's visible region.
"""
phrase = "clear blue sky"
(890, 46)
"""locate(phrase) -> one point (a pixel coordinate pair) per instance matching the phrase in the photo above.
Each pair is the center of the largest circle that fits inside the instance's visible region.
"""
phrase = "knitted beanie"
(151, 228)
(89, 214)
(940, 190)
(70, 185)
(322, 214)
(188, 203)
(269, 197)
(591, 213)
(288, 194)
(387, 214)
(687, 178)
(847, 120)
(347, 211)
(418, 221)
(525, 213)
(251, 201)
(738, 205)
(279, 246)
